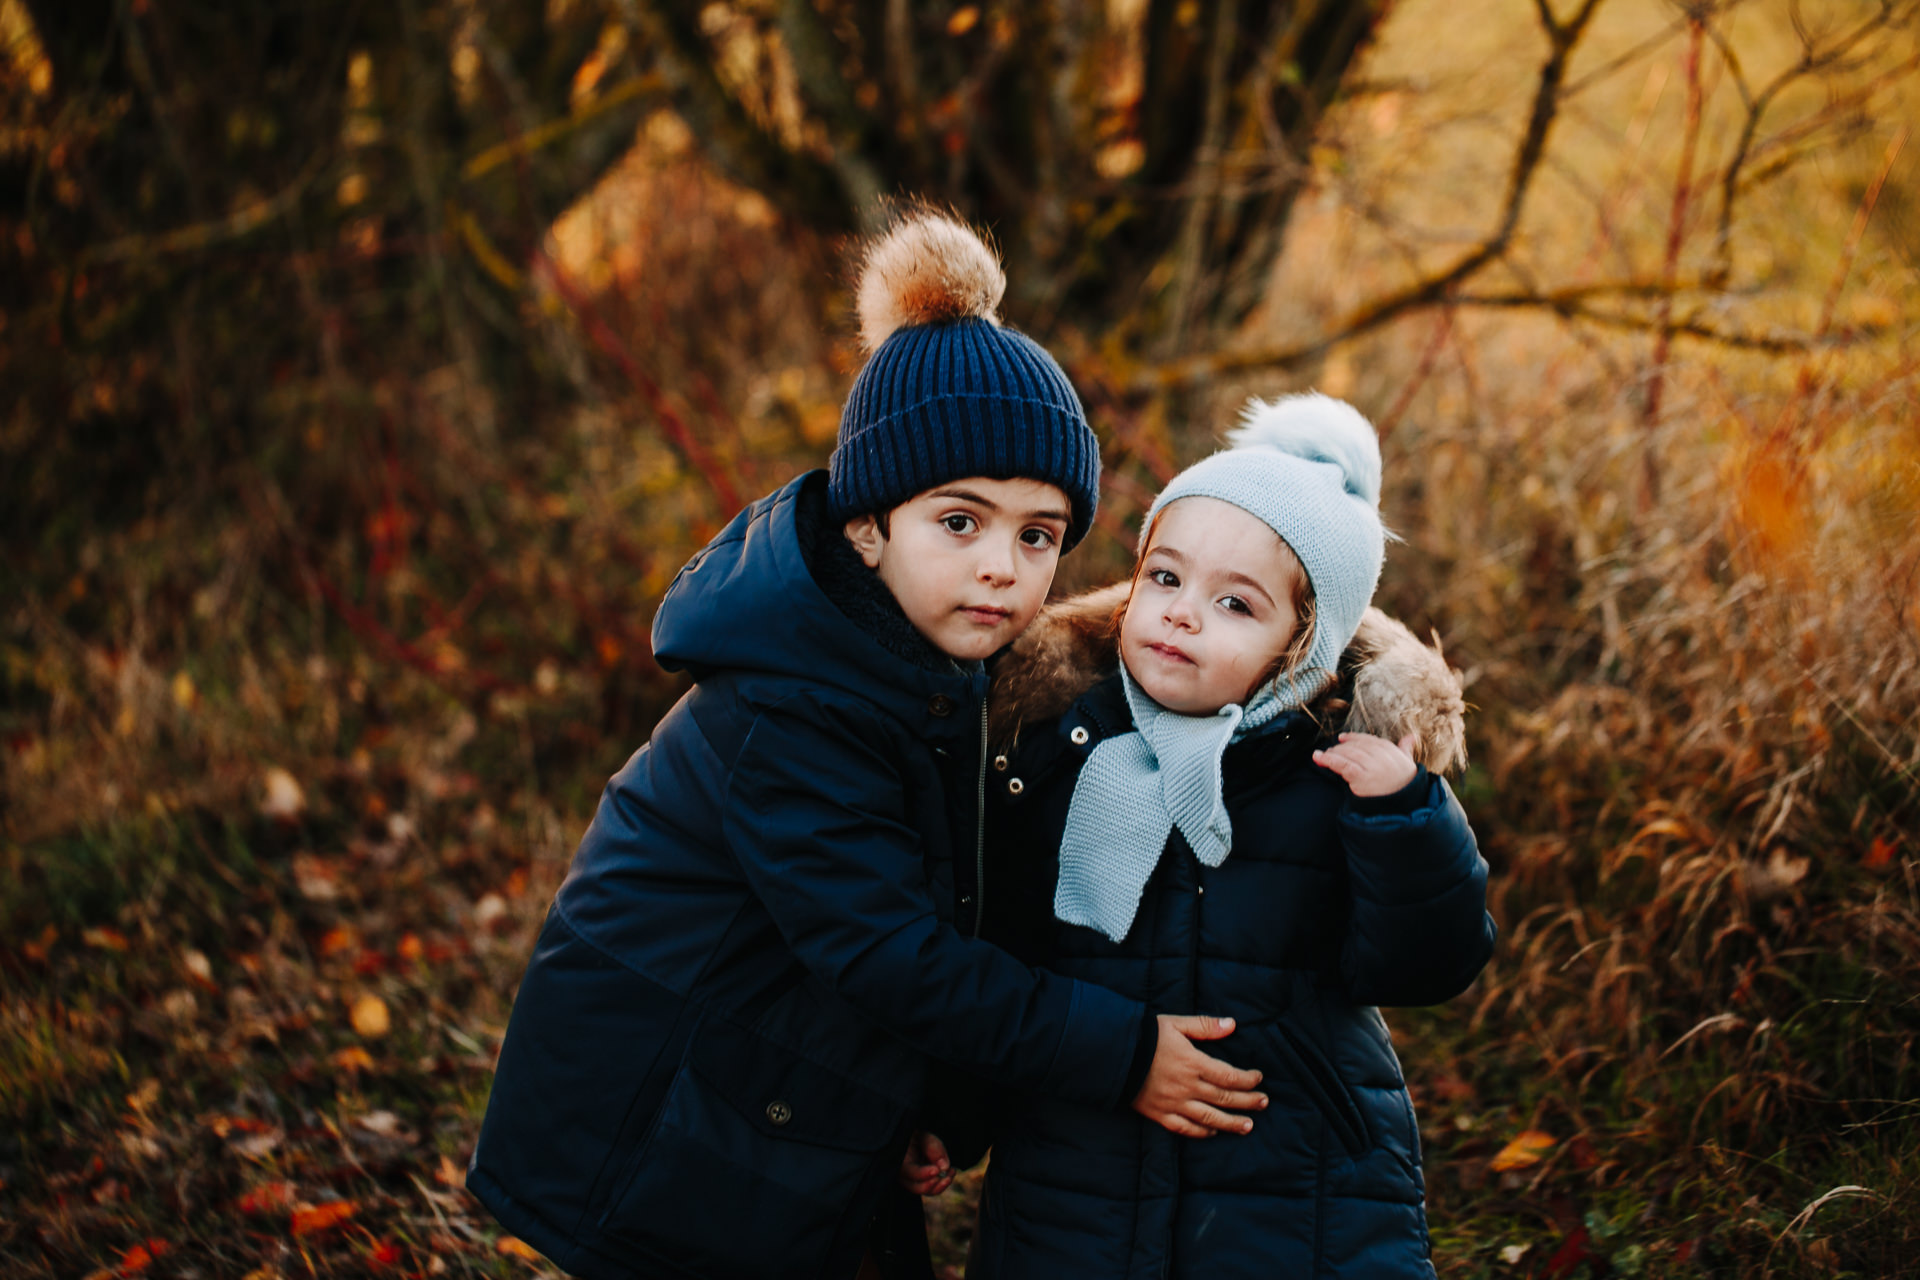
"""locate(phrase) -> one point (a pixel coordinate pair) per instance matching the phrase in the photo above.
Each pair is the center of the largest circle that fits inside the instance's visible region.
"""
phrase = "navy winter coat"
(1327, 906)
(721, 1040)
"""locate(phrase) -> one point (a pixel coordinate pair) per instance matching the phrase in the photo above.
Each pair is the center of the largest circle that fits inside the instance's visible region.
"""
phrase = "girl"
(1195, 831)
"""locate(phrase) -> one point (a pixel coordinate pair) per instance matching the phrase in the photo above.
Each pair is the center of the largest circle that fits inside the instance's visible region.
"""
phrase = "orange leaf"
(370, 1016)
(518, 1248)
(267, 1198)
(449, 1174)
(1523, 1152)
(321, 1217)
(338, 939)
(386, 1253)
(410, 948)
(1880, 854)
(141, 1256)
(353, 1058)
(105, 938)
(36, 951)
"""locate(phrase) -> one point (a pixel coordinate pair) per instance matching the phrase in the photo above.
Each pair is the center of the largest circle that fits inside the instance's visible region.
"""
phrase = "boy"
(716, 1055)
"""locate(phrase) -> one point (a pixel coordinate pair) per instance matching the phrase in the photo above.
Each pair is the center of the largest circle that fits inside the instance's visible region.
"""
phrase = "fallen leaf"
(489, 909)
(1880, 854)
(1513, 1253)
(964, 19)
(105, 938)
(410, 948)
(269, 1197)
(37, 950)
(256, 1146)
(196, 964)
(184, 694)
(337, 939)
(140, 1257)
(386, 1253)
(1523, 1152)
(370, 1017)
(321, 1217)
(449, 1174)
(315, 878)
(353, 1058)
(145, 1096)
(282, 796)
(384, 1123)
(1575, 1250)
(513, 1246)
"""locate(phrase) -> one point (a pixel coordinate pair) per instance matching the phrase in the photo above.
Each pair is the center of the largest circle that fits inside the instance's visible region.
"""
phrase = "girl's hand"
(1371, 766)
(925, 1170)
(1185, 1088)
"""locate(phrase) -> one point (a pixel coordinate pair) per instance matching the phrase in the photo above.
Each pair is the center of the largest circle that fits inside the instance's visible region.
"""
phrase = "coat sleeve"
(1419, 931)
(817, 817)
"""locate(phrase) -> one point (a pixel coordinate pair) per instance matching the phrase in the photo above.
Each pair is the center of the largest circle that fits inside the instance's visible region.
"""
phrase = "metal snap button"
(1079, 735)
(1000, 763)
(1015, 786)
(940, 705)
(779, 1112)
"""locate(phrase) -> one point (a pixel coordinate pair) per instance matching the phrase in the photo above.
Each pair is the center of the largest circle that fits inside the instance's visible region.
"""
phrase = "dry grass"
(1692, 636)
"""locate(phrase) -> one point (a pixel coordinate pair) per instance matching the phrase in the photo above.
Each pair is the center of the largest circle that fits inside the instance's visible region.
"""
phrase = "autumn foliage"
(354, 442)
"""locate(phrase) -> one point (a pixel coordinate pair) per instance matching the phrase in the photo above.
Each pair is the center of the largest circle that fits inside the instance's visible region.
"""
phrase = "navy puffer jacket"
(721, 1040)
(1326, 907)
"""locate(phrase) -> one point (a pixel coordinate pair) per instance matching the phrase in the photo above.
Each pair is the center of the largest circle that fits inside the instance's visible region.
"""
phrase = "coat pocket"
(1324, 1087)
(759, 1163)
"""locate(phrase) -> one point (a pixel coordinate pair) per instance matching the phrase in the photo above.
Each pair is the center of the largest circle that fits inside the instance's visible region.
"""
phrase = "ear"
(864, 533)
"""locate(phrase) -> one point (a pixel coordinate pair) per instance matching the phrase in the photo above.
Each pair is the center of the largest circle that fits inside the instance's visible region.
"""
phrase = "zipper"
(980, 831)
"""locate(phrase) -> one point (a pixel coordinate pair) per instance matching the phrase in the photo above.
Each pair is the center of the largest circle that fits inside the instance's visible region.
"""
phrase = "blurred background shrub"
(372, 368)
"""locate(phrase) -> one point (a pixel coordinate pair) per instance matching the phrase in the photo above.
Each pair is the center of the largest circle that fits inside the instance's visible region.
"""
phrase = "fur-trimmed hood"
(1390, 683)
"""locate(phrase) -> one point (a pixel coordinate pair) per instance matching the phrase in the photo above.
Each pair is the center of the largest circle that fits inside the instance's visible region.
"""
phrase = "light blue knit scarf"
(1134, 790)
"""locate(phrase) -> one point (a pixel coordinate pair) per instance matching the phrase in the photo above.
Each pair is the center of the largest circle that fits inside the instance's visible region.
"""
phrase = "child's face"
(970, 562)
(1212, 606)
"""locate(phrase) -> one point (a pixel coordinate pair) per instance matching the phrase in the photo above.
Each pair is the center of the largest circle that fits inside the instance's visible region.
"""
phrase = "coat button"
(1015, 786)
(1201, 889)
(940, 705)
(1000, 763)
(1079, 735)
(779, 1112)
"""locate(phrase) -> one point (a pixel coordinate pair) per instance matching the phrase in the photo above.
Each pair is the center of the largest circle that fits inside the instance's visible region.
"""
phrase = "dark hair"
(1305, 615)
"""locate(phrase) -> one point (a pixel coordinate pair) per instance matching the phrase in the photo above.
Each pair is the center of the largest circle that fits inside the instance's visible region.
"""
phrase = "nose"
(1180, 613)
(997, 566)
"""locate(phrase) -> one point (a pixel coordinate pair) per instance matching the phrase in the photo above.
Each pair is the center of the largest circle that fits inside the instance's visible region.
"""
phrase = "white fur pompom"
(927, 269)
(1320, 429)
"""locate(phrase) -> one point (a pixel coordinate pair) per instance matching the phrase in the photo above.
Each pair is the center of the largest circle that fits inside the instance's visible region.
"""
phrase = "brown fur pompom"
(929, 268)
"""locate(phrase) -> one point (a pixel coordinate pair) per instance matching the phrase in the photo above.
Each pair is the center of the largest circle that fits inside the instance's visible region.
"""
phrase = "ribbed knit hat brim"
(940, 402)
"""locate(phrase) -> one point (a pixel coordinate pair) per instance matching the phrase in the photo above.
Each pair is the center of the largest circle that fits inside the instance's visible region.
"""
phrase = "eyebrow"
(968, 495)
(1232, 575)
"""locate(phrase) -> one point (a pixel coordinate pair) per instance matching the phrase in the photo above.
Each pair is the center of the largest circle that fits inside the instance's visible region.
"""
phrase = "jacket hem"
(555, 1245)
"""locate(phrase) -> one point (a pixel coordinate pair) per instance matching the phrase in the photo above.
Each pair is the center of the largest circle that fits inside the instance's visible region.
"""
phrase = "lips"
(1170, 653)
(986, 614)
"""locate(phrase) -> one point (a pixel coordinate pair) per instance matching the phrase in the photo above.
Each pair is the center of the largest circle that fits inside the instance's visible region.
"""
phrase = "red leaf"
(141, 1256)
(270, 1197)
(1571, 1253)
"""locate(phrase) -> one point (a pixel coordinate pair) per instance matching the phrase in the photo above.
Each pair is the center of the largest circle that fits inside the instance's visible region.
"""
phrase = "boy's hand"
(1186, 1089)
(1371, 766)
(925, 1170)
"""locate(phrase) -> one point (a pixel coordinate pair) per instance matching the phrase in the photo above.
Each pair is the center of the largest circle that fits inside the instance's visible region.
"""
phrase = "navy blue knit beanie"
(948, 392)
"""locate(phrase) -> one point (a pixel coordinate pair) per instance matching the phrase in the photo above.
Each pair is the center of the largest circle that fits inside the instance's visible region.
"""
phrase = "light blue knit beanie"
(1308, 467)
